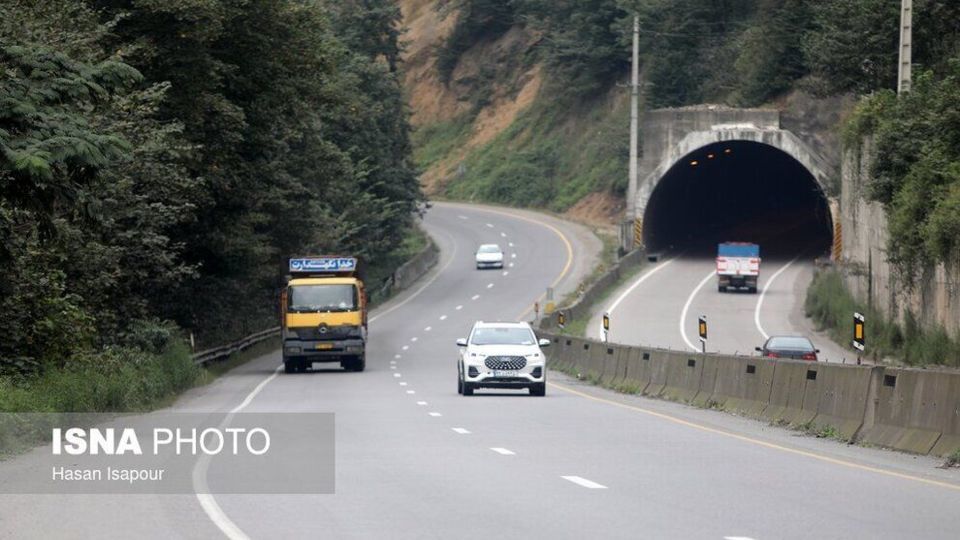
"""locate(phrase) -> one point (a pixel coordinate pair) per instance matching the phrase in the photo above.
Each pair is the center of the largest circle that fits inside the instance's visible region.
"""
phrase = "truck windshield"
(310, 298)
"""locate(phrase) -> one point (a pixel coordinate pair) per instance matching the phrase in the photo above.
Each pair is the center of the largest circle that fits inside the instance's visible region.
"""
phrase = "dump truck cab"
(324, 314)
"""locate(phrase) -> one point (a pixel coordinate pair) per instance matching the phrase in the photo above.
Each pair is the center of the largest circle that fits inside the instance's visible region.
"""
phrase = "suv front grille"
(505, 362)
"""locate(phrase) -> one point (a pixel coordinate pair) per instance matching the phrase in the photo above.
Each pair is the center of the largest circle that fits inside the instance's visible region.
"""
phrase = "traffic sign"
(859, 332)
(606, 326)
(702, 327)
(561, 319)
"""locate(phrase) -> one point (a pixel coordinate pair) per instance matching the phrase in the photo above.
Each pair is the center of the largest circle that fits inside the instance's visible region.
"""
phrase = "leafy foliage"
(159, 161)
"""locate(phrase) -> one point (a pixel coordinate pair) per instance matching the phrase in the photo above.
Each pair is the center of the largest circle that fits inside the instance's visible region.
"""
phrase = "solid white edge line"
(763, 294)
(686, 307)
(643, 277)
(583, 482)
(199, 474)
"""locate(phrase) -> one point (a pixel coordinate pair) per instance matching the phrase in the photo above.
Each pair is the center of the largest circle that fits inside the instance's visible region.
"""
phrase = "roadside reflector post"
(561, 319)
(859, 334)
(536, 311)
(606, 327)
(702, 330)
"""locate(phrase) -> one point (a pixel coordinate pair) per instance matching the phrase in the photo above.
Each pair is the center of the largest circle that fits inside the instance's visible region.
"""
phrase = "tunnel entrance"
(740, 191)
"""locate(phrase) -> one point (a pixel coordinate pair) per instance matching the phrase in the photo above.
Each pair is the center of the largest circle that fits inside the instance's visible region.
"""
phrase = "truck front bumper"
(323, 351)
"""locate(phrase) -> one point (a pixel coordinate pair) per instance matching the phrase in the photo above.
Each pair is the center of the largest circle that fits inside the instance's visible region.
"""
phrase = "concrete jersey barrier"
(906, 409)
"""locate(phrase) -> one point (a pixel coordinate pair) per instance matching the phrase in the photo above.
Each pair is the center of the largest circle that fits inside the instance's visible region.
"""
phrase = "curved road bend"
(581, 462)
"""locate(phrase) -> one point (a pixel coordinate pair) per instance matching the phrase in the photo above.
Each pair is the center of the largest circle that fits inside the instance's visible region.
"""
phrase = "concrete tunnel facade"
(712, 174)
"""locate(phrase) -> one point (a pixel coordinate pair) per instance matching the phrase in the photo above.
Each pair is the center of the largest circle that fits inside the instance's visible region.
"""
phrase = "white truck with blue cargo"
(738, 266)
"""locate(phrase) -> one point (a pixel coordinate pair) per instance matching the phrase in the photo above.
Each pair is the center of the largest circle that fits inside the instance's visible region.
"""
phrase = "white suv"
(502, 355)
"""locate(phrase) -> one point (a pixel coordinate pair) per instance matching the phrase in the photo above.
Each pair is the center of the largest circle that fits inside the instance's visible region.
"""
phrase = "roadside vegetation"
(158, 163)
(831, 305)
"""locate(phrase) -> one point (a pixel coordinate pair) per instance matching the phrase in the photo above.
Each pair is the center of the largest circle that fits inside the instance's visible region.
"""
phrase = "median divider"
(906, 409)
(917, 411)
(659, 366)
(611, 364)
(842, 399)
(637, 376)
(742, 385)
(683, 376)
(789, 389)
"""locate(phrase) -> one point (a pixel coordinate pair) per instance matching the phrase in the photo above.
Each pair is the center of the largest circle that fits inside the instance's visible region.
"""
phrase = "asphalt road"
(661, 305)
(416, 460)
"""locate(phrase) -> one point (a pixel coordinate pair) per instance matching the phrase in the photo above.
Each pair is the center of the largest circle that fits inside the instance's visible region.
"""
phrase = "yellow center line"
(758, 442)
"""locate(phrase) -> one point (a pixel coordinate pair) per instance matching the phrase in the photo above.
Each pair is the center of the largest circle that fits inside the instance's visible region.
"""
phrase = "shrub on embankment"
(150, 365)
(832, 306)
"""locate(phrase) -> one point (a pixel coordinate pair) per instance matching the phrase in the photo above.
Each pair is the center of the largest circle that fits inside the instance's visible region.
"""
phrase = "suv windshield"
(502, 336)
(489, 249)
(309, 298)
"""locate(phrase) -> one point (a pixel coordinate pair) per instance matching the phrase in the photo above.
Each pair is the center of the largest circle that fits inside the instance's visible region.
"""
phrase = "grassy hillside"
(485, 132)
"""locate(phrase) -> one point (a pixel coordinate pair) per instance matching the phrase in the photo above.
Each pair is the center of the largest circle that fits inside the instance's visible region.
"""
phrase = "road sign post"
(702, 330)
(606, 327)
(859, 334)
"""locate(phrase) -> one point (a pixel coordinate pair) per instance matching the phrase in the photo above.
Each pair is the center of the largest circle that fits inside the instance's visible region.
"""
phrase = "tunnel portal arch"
(710, 185)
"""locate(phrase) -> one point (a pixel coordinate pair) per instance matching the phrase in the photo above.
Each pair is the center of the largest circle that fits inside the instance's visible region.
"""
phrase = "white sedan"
(489, 256)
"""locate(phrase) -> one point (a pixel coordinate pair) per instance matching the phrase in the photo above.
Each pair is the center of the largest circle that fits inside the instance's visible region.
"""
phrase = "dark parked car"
(797, 347)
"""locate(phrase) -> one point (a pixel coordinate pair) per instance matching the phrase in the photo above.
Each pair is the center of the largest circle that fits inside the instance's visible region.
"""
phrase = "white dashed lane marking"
(489, 285)
(510, 244)
(463, 217)
(435, 414)
(443, 317)
(411, 391)
(397, 375)
(403, 384)
(405, 347)
(503, 234)
(397, 356)
(461, 430)
(474, 297)
(513, 255)
(583, 482)
(504, 451)
(459, 308)
(421, 403)
(427, 329)
(511, 265)
(505, 272)
(414, 339)
(490, 225)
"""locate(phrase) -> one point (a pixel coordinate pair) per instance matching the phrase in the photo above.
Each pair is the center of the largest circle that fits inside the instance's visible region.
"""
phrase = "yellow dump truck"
(323, 314)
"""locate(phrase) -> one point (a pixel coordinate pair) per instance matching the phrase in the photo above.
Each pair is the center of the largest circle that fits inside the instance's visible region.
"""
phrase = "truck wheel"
(289, 366)
(539, 389)
(467, 388)
(360, 363)
(753, 290)
(721, 288)
(302, 365)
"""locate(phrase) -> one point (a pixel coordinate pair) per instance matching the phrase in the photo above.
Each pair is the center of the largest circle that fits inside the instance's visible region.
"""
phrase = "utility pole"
(634, 126)
(906, 46)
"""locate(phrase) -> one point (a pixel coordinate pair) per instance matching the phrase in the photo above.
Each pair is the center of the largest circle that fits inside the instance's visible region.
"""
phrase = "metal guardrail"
(218, 353)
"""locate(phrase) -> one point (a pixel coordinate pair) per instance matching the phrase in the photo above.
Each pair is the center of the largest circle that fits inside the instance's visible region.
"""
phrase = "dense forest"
(160, 159)
(737, 52)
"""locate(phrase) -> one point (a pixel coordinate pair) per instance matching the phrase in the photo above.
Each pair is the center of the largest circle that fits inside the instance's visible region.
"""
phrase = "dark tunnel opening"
(740, 191)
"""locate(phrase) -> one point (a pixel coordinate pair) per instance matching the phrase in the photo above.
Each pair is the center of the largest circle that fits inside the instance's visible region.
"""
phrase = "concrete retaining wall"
(907, 409)
(581, 308)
